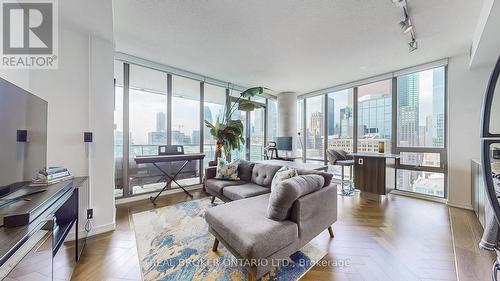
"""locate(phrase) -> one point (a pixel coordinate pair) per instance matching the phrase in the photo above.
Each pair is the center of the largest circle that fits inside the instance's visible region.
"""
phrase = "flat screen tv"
(23, 136)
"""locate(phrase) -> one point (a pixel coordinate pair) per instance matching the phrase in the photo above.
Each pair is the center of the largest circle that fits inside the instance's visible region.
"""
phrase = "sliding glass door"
(421, 127)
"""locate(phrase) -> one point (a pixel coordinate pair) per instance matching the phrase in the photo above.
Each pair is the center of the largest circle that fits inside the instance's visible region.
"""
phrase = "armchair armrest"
(210, 172)
(315, 212)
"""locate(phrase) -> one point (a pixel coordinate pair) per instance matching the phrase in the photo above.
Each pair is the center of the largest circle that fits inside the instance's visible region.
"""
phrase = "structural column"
(287, 116)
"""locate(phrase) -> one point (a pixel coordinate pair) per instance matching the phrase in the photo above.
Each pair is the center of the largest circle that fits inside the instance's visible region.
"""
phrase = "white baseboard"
(418, 196)
(460, 205)
(102, 229)
(94, 231)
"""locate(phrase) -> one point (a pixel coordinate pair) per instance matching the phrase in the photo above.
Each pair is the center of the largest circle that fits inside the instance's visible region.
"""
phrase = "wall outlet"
(90, 214)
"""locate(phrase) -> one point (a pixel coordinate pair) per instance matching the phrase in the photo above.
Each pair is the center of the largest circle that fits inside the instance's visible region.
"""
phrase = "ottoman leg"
(216, 244)
(213, 199)
(330, 230)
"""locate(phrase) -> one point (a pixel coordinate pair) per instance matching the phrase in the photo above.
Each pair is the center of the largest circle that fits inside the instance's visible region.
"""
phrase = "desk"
(375, 173)
(155, 159)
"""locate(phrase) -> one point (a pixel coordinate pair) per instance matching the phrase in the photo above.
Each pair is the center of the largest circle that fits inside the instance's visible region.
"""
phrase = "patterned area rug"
(174, 244)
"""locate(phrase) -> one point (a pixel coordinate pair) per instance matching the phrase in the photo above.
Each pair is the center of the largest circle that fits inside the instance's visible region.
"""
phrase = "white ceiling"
(291, 45)
(90, 16)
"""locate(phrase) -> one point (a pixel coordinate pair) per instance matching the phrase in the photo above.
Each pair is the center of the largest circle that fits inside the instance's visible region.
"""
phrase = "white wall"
(81, 98)
(465, 95)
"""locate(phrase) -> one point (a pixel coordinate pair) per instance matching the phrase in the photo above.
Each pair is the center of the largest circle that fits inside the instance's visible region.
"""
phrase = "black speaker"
(22, 136)
(87, 137)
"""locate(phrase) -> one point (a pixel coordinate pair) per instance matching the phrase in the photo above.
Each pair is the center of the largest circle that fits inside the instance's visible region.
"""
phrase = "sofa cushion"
(282, 174)
(227, 171)
(245, 170)
(326, 176)
(284, 194)
(262, 174)
(246, 190)
(244, 226)
(215, 187)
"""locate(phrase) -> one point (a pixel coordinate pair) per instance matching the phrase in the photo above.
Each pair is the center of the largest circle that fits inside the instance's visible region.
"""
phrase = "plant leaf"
(247, 105)
(252, 92)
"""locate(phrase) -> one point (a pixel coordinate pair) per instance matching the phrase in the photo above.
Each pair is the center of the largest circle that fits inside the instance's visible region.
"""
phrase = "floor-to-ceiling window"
(118, 129)
(213, 110)
(147, 125)
(257, 121)
(315, 130)
(375, 116)
(155, 107)
(340, 122)
(186, 122)
(272, 120)
(408, 119)
(421, 126)
(300, 129)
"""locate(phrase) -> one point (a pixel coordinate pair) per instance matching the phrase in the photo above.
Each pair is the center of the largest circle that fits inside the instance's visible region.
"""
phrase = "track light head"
(399, 3)
(406, 25)
(413, 45)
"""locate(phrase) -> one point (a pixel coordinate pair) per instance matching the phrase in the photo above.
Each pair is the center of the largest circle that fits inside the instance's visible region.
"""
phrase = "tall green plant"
(228, 132)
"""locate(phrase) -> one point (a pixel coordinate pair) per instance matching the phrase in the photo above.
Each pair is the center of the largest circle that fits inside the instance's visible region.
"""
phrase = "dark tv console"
(35, 229)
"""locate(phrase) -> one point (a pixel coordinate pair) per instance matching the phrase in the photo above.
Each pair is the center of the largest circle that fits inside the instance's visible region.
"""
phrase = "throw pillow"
(285, 193)
(245, 170)
(282, 174)
(227, 171)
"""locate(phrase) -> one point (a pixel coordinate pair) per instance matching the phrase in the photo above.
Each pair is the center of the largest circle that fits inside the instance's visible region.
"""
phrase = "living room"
(247, 140)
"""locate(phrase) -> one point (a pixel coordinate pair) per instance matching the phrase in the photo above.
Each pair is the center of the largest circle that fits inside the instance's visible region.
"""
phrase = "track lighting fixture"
(406, 25)
(413, 45)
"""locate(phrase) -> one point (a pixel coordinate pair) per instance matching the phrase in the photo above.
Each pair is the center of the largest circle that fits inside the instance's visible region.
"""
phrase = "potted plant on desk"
(227, 132)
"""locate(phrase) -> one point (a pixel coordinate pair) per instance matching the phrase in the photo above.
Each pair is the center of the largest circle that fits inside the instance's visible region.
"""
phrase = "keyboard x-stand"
(155, 159)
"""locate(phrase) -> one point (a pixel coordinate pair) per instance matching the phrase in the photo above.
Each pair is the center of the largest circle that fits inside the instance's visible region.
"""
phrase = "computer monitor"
(284, 143)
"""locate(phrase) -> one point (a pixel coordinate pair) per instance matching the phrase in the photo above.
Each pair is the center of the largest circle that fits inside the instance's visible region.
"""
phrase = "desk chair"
(271, 149)
(339, 157)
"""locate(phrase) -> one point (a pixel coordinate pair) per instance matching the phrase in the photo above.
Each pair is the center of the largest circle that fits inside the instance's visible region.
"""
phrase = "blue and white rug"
(174, 244)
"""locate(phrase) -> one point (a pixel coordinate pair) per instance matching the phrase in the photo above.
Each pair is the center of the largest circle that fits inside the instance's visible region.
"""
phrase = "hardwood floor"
(399, 238)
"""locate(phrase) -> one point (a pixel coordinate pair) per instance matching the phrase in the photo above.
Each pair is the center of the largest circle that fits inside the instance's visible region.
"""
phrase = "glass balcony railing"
(144, 178)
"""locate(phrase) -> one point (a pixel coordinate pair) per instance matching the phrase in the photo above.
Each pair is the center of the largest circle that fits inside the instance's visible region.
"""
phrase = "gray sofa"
(243, 224)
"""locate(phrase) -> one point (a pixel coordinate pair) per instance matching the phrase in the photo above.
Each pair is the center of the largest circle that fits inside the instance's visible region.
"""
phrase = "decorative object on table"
(227, 170)
(282, 174)
(173, 243)
(51, 175)
(339, 157)
(227, 132)
(381, 147)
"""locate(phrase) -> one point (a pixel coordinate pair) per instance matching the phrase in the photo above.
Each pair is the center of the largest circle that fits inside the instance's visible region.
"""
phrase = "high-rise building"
(345, 122)
(207, 115)
(408, 107)
(272, 126)
(316, 123)
(160, 122)
(438, 107)
(374, 115)
(331, 116)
